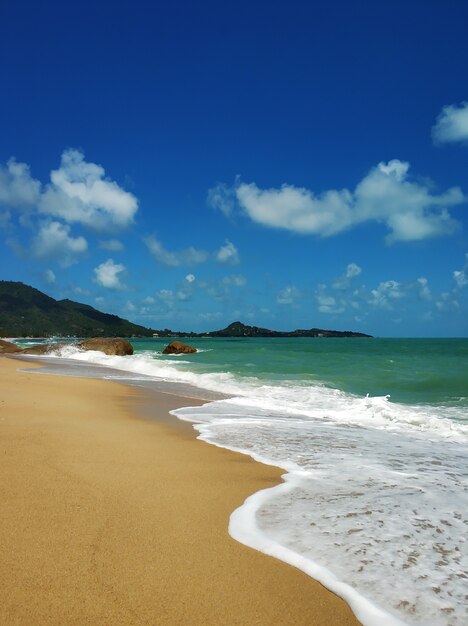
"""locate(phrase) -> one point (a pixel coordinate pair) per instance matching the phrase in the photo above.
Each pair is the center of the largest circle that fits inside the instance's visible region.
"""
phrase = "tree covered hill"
(27, 312)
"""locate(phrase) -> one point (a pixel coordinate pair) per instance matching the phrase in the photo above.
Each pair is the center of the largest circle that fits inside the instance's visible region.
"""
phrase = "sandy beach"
(108, 517)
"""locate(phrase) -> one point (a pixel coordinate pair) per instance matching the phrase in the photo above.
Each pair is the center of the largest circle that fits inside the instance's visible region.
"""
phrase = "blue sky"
(291, 165)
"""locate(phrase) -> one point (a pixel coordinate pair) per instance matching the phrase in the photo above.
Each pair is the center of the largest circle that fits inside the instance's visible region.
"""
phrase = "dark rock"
(119, 347)
(177, 347)
(42, 348)
(7, 347)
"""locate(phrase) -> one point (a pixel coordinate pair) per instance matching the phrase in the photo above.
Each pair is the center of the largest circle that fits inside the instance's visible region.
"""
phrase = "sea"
(372, 435)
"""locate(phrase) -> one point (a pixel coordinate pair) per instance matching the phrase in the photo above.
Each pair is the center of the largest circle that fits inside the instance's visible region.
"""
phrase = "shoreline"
(114, 513)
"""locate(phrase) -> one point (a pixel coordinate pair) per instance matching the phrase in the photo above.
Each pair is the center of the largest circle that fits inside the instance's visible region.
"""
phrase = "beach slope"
(110, 518)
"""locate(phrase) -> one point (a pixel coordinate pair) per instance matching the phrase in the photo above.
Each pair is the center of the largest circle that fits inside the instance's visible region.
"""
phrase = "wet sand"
(108, 517)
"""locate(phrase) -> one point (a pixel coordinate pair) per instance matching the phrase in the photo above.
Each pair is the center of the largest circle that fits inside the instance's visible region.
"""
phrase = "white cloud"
(461, 276)
(451, 124)
(188, 256)
(223, 198)
(386, 195)
(447, 302)
(190, 278)
(344, 281)
(17, 187)
(288, 295)
(353, 270)
(107, 274)
(50, 277)
(166, 295)
(53, 241)
(228, 254)
(423, 289)
(296, 209)
(170, 297)
(237, 280)
(329, 304)
(79, 192)
(385, 293)
(112, 245)
(149, 300)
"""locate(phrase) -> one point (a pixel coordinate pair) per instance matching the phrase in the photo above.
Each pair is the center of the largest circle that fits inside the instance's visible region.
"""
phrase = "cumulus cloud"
(107, 274)
(451, 124)
(385, 293)
(329, 304)
(424, 292)
(228, 254)
(17, 187)
(389, 295)
(78, 192)
(344, 282)
(53, 241)
(170, 297)
(461, 276)
(386, 195)
(190, 278)
(288, 295)
(182, 293)
(353, 270)
(186, 257)
(112, 245)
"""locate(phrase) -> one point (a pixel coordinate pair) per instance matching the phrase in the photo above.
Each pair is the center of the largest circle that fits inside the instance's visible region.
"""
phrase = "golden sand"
(107, 518)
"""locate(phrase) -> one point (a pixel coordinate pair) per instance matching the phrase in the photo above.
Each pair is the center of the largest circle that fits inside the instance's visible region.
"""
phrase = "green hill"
(27, 312)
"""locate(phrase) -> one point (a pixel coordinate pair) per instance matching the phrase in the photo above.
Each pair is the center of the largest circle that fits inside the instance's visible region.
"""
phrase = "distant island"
(27, 312)
(238, 329)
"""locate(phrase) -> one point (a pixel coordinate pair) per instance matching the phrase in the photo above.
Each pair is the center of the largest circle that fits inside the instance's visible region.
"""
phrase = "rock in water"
(119, 347)
(7, 347)
(177, 347)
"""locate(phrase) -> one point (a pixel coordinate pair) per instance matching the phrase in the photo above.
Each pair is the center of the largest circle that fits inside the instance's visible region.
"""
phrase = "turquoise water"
(408, 370)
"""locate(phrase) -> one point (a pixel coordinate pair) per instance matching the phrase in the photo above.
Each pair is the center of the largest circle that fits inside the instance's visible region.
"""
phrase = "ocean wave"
(291, 398)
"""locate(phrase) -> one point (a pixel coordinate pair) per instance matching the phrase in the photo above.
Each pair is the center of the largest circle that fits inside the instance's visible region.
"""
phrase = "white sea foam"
(243, 527)
(384, 512)
(292, 398)
(375, 498)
